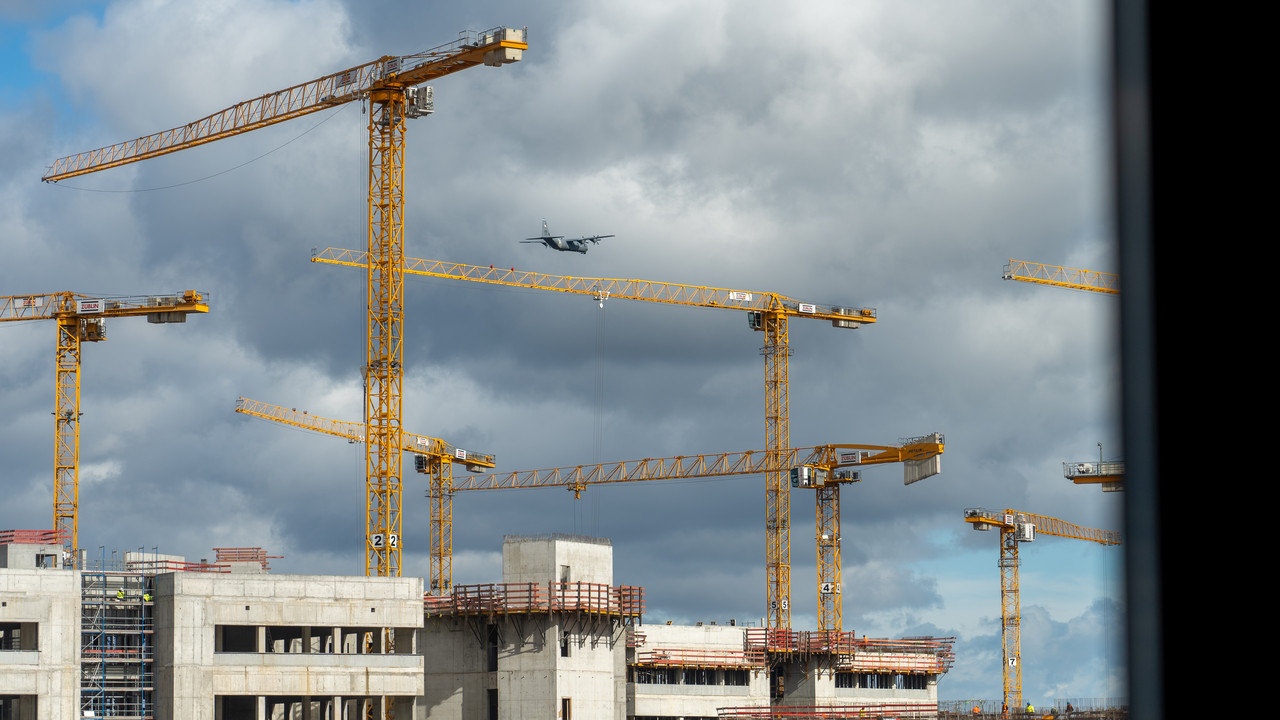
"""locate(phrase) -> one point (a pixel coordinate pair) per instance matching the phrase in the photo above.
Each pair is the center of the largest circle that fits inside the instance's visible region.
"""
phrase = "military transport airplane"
(563, 244)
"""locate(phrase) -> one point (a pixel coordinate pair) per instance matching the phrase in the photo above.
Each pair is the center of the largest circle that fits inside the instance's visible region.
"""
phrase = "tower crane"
(817, 468)
(395, 89)
(820, 468)
(1018, 527)
(434, 456)
(766, 312)
(82, 318)
(1039, 273)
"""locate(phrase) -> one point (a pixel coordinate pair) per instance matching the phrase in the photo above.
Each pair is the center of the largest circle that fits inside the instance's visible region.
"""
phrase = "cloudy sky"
(862, 154)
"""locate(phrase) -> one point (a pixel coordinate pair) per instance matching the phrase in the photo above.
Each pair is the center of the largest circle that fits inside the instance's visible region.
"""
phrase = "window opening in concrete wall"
(913, 682)
(737, 677)
(566, 708)
(17, 706)
(655, 676)
(880, 681)
(19, 636)
(699, 676)
(846, 680)
(493, 704)
(564, 645)
(491, 648)
(227, 707)
(564, 573)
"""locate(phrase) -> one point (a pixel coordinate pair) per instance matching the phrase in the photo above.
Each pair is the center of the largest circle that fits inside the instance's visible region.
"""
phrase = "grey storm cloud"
(870, 155)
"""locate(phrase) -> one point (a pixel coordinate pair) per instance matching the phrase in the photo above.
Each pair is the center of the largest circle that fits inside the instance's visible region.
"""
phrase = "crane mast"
(79, 319)
(1017, 527)
(390, 85)
(767, 312)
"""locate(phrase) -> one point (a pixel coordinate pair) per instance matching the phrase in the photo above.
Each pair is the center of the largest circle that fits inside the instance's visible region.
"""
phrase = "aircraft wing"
(597, 238)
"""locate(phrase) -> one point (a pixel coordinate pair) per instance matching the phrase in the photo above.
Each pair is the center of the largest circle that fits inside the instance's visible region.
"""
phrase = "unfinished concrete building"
(557, 639)
(167, 639)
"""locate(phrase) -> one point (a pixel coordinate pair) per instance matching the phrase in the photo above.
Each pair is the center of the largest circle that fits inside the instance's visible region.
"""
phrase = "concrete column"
(262, 639)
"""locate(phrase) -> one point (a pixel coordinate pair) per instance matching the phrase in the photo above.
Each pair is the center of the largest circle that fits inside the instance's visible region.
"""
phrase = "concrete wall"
(530, 662)
(331, 614)
(22, 556)
(693, 700)
(47, 601)
(544, 559)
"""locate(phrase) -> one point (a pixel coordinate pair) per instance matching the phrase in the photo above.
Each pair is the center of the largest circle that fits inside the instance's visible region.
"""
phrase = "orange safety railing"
(927, 655)
(635, 638)
(867, 711)
(682, 657)
(508, 598)
(30, 537)
(245, 554)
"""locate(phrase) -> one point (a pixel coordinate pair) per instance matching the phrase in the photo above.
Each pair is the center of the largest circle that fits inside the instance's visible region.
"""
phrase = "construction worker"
(977, 710)
(120, 594)
(146, 596)
(1070, 709)
(1031, 709)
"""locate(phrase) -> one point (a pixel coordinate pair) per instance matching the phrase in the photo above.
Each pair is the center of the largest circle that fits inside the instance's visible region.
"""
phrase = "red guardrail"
(681, 657)
(866, 711)
(929, 655)
(507, 598)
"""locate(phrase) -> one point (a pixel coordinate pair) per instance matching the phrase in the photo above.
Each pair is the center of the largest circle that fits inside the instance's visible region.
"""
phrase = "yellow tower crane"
(1018, 527)
(1041, 274)
(395, 89)
(82, 318)
(433, 456)
(817, 468)
(821, 468)
(766, 312)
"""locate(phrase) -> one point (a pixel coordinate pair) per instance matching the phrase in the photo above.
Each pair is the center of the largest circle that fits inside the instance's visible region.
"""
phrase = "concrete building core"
(163, 638)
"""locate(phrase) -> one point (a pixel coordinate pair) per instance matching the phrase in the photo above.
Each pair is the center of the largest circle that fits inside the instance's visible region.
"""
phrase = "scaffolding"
(117, 648)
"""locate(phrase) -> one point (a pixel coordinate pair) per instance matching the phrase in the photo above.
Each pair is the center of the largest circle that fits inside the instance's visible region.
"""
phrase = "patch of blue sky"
(19, 25)
(17, 77)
